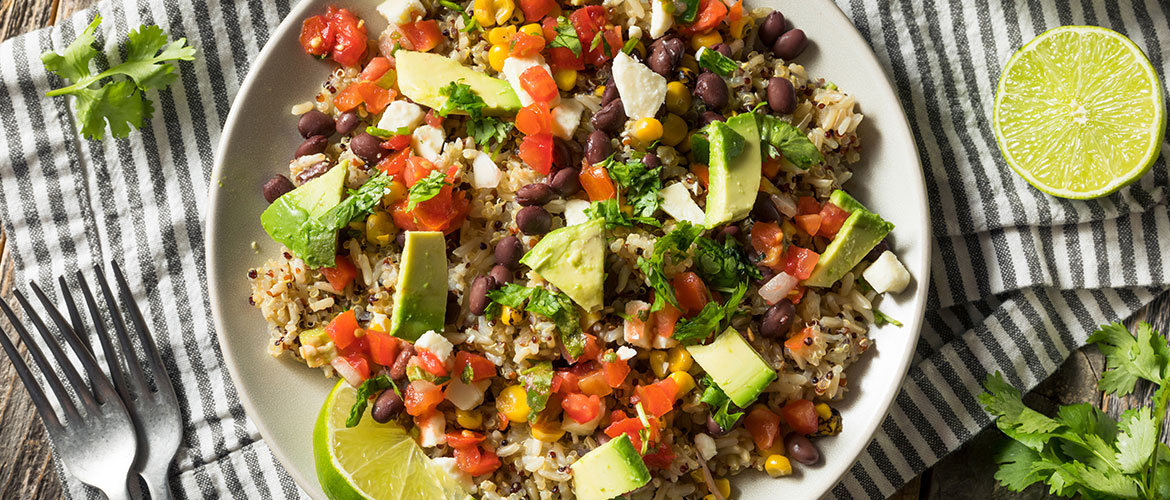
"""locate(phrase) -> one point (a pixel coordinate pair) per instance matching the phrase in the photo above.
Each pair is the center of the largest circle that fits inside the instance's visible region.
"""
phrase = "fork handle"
(117, 493)
(156, 483)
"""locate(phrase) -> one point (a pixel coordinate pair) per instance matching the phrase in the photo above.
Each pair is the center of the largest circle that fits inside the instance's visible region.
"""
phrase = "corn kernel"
(684, 381)
(658, 363)
(674, 130)
(777, 448)
(380, 228)
(640, 49)
(689, 62)
(548, 432)
(648, 130)
(724, 486)
(468, 419)
(533, 29)
(678, 98)
(566, 78)
(738, 28)
(778, 465)
(599, 91)
(708, 497)
(680, 359)
(823, 411)
(397, 192)
(501, 35)
(510, 316)
(496, 56)
(492, 12)
(513, 403)
(707, 39)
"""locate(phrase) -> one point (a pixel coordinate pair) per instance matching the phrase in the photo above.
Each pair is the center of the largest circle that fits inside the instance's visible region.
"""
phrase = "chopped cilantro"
(482, 128)
(369, 388)
(426, 188)
(566, 36)
(712, 318)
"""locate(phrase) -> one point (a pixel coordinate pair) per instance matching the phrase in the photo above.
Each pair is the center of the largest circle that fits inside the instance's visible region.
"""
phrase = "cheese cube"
(887, 274)
(399, 12)
(566, 118)
(643, 91)
(400, 114)
(427, 142)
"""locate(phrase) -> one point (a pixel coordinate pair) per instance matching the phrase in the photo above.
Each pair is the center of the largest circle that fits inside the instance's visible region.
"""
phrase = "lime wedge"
(373, 461)
(1078, 112)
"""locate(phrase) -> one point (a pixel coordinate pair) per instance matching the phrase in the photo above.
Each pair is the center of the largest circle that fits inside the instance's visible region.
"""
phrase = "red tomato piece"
(832, 218)
(597, 183)
(630, 426)
(763, 425)
(537, 152)
(464, 439)
(349, 43)
(581, 408)
(801, 416)
(359, 363)
(799, 342)
(592, 348)
(422, 397)
(476, 461)
(595, 384)
(396, 143)
(383, 347)
(524, 44)
(417, 168)
(481, 367)
(534, 10)
(800, 262)
(691, 292)
(315, 36)
(770, 167)
(535, 118)
(431, 363)
(665, 320)
(564, 382)
(538, 84)
(810, 223)
(702, 172)
(768, 240)
(375, 98)
(657, 398)
(395, 164)
(615, 371)
(341, 329)
(807, 205)
(433, 119)
(587, 21)
(422, 35)
(711, 13)
(348, 99)
(341, 274)
(374, 69)
(661, 458)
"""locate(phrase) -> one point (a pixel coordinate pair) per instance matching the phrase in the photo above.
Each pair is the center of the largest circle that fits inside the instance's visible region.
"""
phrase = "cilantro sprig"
(426, 188)
(1082, 450)
(724, 412)
(482, 128)
(638, 184)
(674, 243)
(712, 318)
(566, 36)
(557, 307)
(369, 388)
(120, 103)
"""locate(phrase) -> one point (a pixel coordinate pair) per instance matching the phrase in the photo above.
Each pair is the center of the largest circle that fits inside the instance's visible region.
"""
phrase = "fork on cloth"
(102, 428)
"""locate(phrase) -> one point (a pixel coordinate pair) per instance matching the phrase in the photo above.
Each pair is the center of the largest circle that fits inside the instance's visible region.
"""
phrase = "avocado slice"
(607, 471)
(733, 176)
(420, 300)
(734, 366)
(285, 218)
(573, 259)
(421, 75)
(862, 231)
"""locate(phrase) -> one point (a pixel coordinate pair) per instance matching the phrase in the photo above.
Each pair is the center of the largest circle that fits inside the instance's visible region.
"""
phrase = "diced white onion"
(786, 205)
(625, 353)
(464, 396)
(485, 174)
(778, 287)
(706, 446)
(347, 372)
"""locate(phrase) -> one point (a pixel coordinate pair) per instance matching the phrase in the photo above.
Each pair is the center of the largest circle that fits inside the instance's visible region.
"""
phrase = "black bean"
(612, 116)
(315, 123)
(533, 220)
(401, 239)
(651, 161)
(311, 146)
(387, 407)
(313, 171)
(508, 251)
(610, 93)
(566, 182)
(877, 251)
(477, 299)
(781, 96)
(535, 194)
(347, 122)
(772, 28)
(710, 116)
(801, 449)
(562, 155)
(452, 310)
(712, 90)
(276, 187)
(765, 209)
(665, 54)
(778, 319)
(501, 274)
(367, 147)
(597, 147)
(713, 427)
(790, 45)
(722, 48)
(398, 369)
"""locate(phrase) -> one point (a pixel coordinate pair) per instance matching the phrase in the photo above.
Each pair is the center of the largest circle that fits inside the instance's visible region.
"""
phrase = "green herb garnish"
(639, 185)
(566, 36)
(779, 137)
(880, 318)
(718, 401)
(675, 242)
(712, 318)
(723, 266)
(482, 128)
(426, 188)
(714, 61)
(537, 382)
(371, 386)
(557, 307)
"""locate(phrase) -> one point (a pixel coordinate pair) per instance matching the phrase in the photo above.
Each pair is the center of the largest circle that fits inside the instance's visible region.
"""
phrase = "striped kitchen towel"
(1019, 278)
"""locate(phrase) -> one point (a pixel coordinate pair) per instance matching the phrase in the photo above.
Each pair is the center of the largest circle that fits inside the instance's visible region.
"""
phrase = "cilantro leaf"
(712, 318)
(426, 188)
(677, 241)
(1135, 442)
(372, 386)
(316, 239)
(779, 137)
(1013, 417)
(688, 12)
(1129, 358)
(640, 185)
(714, 61)
(557, 307)
(481, 128)
(120, 103)
(723, 267)
(611, 213)
(725, 413)
(566, 36)
(537, 382)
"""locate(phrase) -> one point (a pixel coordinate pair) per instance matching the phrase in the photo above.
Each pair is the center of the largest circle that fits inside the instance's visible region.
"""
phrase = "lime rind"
(1079, 112)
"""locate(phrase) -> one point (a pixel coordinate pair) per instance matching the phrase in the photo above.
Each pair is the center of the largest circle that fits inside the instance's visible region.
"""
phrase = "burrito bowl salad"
(570, 250)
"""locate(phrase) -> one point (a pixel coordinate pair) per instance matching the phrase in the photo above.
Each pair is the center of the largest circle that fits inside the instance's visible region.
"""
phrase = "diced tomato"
(431, 363)
(711, 13)
(630, 426)
(417, 168)
(595, 384)
(702, 172)
(534, 10)
(797, 293)
(736, 12)
(422, 397)
(810, 223)
(375, 98)
(481, 367)
(763, 425)
(383, 347)
(374, 69)
(800, 342)
(592, 348)
(538, 84)
(476, 461)
(397, 143)
(395, 164)
(615, 371)
(800, 262)
(580, 407)
(595, 179)
(348, 99)
(534, 118)
(341, 274)
(665, 320)
(801, 416)
(770, 167)
(524, 44)
(359, 363)
(341, 329)
(433, 119)
(349, 42)
(422, 35)
(768, 240)
(661, 458)
(588, 21)
(315, 35)
(445, 212)
(691, 292)
(807, 205)
(657, 398)
(832, 218)
(464, 439)
(537, 152)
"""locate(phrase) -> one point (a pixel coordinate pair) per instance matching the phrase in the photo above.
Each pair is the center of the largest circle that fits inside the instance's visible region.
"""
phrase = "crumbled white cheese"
(566, 118)
(677, 202)
(625, 353)
(887, 274)
(401, 114)
(643, 91)
(485, 174)
(432, 431)
(465, 396)
(427, 142)
(575, 212)
(401, 12)
(436, 344)
(516, 66)
(660, 19)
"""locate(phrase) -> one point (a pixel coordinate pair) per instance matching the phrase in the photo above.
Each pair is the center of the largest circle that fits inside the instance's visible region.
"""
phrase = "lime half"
(373, 461)
(1078, 112)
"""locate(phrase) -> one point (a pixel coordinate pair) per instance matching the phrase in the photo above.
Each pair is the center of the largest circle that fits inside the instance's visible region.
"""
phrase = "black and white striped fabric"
(1019, 278)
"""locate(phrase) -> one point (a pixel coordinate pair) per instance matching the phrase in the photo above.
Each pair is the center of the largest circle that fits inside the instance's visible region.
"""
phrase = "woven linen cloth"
(1019, 278)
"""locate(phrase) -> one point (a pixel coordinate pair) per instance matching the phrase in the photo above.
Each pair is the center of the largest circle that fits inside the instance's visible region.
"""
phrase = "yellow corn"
(678, 98)
(566, 78)
(548, 432)
(687, 76)
(513, 403)
(708, 497)
(739, 27)
(380, 229)
(680, 359)
(468, 419)
(648, 130)
(511, 317)
(492, 12)
(776, 449)
(724, 486)
(397, 193)
(684, 381)
(501, 35)
(778, 465)
(674, 129)
(823, 411)
(706, 39)
(599, 91)
(689, 62)
(640, 49)
(496, 56)
(658, 363)
(533, 29)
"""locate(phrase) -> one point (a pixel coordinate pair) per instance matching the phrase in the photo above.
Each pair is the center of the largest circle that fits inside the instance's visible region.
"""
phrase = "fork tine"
(98, 382)
(104, 338)
(133, 366)
(78, 325)
(30, 383)
(71, 413)
(83, 393)
(144, 337)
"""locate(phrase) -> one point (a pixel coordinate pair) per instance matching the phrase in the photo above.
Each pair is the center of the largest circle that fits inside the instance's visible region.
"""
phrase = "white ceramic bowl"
(282, 396)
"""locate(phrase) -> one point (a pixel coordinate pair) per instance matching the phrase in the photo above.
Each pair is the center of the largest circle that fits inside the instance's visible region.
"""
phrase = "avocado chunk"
(734, 366)
(421, 75)
(285, 219)
(573, 259)
(420, 300)
(862, 231)
(734, 169)
(612, 469)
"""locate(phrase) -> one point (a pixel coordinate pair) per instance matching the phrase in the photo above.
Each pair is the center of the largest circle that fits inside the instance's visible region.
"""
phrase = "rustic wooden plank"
(19, 16)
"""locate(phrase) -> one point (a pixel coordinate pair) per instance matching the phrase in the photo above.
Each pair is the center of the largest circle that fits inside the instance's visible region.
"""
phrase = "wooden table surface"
(26, 471)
